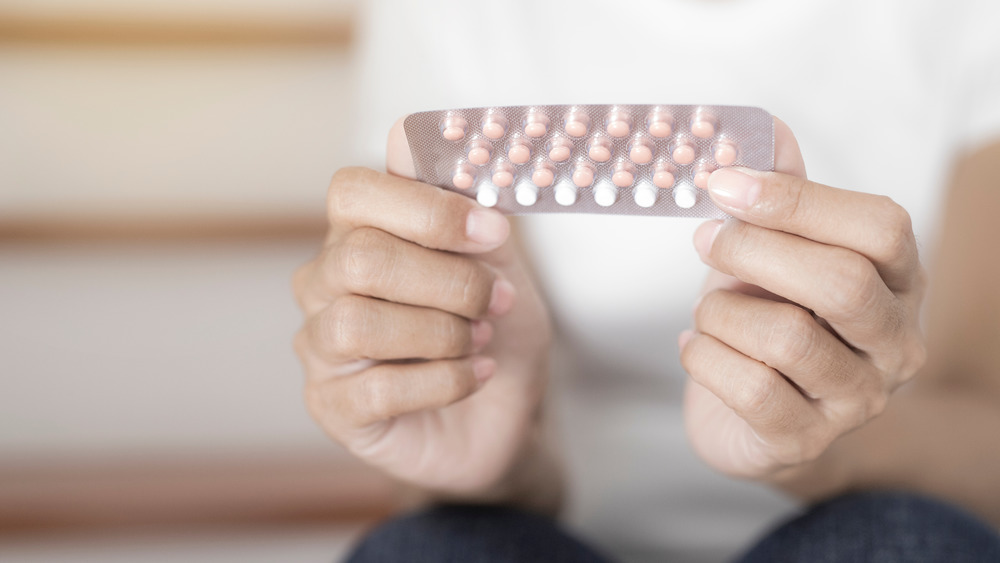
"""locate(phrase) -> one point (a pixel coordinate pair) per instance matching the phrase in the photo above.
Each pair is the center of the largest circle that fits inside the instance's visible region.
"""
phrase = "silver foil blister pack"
(640, 159)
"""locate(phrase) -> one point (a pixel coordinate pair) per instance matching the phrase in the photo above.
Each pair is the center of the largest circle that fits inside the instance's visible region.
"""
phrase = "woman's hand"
(425, 343)
(808, 322)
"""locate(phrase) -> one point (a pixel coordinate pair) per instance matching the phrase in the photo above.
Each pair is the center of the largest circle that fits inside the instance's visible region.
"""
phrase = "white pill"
(526, 194)
(565, 194)
(645, 195)
(488, 195)
(685, 196)
(605, 195)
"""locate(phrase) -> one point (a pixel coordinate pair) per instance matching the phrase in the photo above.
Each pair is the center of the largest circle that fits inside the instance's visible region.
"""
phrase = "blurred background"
(163, 168)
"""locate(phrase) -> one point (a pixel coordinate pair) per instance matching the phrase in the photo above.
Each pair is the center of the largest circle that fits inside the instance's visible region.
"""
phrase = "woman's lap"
(886, 527)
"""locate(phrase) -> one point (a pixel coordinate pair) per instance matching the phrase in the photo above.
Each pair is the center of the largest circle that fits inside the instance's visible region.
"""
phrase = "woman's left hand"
(808, 321)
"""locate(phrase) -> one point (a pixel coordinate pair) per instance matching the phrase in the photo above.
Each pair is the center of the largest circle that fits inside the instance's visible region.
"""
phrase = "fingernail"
(684, 337)
(483, 368)
(704, 237)
(502, 298)
(482, 333)
(486, 226)
(734, 189)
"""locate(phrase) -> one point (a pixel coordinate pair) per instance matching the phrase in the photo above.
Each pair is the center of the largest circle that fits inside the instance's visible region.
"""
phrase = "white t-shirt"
(881, 97)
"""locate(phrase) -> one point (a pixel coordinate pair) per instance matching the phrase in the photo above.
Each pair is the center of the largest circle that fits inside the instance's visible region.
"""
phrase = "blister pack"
(610, 159)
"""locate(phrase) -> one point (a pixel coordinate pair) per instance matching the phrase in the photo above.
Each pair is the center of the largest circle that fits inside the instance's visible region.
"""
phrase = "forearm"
(935, 439)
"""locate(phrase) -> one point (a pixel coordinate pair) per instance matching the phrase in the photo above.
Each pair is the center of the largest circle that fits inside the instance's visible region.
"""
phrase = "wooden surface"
(68, 494)
(137, 31)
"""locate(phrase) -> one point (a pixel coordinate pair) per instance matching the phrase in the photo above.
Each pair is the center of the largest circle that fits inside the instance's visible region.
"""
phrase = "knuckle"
(343, 329)
(377, 397)
(476, 289)
(753, 394)
(444, 213)
(852, 285)
(793, 337)
(365, 256)
(793, 205)
(896, 233)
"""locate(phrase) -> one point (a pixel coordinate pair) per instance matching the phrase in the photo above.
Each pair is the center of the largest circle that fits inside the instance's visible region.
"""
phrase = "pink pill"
(493, 130)
(701, 178)
(479, 155)
(660, 129)
(683, 154)
(663, 179)
(535, 129)
(640, 154)
(462, 180)
(576, 128)
(519, 154)
(453, 133)
(599, 153)
(576, 124)
(725, 154)
(454, 128)
(623, 178)
(702, 127)
(583, 176)
(559, 153)
(543, 177)
(618, 128)
(503, 178)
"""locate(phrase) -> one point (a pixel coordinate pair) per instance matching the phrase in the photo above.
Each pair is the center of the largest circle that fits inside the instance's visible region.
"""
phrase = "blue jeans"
(882, 527)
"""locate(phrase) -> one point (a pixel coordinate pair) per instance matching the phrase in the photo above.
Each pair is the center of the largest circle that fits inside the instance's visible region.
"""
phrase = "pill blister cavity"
(703, 124)
(618, 123)
(463, 176)
(685, 195)
(560, 149)
(519, 151)
(659, 123)
(536, 124)
(644, 195)
(494, 126)
(663, 174)
(503, 175)
(526, 194)
(454, 128)
(565, 194)
(599, 149)
(576, 123)
(479, 152)
(725, 152)
(605, 194)
(683, 152)
(487, 195)
(543, 175)
(583, 175)
(640, 151)
(701, 172)
(623, 175)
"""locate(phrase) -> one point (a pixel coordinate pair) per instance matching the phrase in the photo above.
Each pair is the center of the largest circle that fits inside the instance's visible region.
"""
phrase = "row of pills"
(600, 148)
(566, 194)
(659, 123)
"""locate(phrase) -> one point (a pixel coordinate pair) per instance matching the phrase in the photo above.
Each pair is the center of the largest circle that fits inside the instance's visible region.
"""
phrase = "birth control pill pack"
(639, 159)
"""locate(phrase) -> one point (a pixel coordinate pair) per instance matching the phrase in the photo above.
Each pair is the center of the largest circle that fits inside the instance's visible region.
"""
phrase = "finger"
(787, 338)
(787, 156)
(391, 390)
(427, 215)
(780, 415)
(374, 263)
(355, 327)
(839, 285)
(872, 225)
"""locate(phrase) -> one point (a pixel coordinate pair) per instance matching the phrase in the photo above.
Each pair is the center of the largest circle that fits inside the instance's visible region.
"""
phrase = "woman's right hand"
(425, 342)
